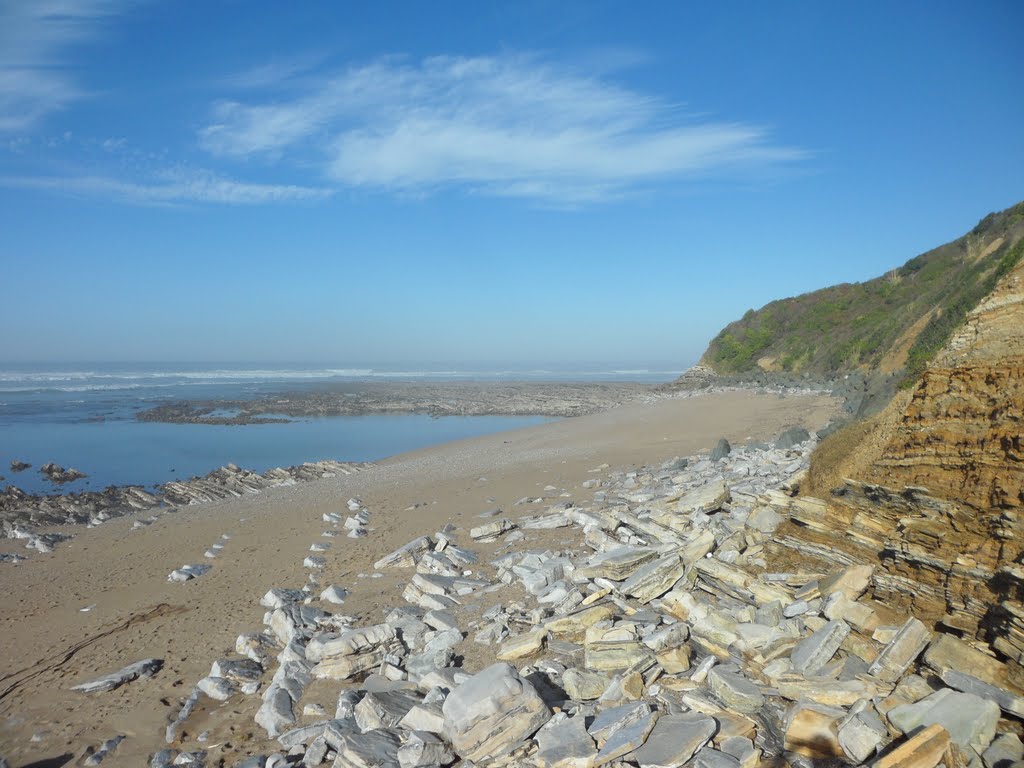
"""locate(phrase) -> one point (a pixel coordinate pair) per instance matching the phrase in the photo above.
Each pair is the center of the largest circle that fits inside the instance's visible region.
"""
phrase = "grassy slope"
(856, 326)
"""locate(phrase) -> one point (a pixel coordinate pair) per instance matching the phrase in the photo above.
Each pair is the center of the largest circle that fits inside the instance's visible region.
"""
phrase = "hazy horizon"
(484, 183)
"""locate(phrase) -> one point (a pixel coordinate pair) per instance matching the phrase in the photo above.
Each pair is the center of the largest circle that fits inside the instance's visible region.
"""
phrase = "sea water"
(83, 416)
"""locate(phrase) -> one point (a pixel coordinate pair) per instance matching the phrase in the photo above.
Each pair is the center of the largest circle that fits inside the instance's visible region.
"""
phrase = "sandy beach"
(51, 643)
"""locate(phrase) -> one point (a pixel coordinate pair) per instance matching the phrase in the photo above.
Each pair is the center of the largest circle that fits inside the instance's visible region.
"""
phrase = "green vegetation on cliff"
(894, 322)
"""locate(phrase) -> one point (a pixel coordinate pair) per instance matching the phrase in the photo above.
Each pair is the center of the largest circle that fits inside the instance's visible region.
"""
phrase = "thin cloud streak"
(176, 187)
(506, 126)
(35, 80)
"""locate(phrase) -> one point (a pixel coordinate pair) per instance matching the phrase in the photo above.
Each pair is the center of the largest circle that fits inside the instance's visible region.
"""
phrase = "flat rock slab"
(814, 652)
(144, 668)
(969, 720)
(675, 739)
(735, 691)
(565, 743)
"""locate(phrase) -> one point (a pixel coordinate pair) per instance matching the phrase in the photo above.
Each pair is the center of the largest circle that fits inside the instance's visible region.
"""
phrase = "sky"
(506, 183)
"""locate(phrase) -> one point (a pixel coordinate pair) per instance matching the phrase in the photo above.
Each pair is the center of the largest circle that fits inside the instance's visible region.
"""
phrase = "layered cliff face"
(961, 436)
(936, 495)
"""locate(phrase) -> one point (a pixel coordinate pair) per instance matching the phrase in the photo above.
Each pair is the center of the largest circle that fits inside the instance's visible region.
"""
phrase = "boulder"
(490, 714)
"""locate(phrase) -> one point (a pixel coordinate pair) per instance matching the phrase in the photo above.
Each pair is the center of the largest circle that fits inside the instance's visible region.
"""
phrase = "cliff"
(934, 486)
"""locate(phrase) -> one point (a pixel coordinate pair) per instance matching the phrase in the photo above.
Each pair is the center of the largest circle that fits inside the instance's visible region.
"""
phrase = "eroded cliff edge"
(932, 488)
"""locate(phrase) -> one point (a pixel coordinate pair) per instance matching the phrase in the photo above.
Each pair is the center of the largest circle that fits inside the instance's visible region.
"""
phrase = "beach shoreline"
(120, 574)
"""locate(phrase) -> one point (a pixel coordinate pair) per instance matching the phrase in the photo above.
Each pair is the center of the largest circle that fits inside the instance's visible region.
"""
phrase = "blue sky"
(492, 182)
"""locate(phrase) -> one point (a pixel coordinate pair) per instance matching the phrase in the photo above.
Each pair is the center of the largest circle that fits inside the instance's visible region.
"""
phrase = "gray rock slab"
(814, 652)
(610, 720)
(384, 709)
(675, 739)
(970, 720)
(1004, 752)
(423, 750)
(735, 691)
(565, 743)
(896, 658)
(373, 749)
(1007, 701)
(626, 739)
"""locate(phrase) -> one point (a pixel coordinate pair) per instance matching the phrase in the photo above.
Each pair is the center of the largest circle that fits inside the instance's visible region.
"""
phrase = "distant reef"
(471, 398)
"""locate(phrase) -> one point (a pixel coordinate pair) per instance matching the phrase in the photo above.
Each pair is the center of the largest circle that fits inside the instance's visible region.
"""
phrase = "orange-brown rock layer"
(951, 541)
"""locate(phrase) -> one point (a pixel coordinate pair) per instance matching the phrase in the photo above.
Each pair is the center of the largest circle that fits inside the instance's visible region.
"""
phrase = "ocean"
(83, 416)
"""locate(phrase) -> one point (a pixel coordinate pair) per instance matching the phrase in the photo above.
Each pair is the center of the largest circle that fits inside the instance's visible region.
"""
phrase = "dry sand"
(48, 644)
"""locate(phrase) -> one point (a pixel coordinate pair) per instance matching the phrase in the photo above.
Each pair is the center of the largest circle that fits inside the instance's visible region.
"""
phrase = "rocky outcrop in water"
(55, 473)
(21, 514)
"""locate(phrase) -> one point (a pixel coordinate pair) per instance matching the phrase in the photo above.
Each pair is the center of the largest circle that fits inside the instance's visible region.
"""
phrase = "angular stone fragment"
(814, 652)
(217, 688)
(969, 720)
(901, 651)
(616, 564)
(423, 750)
(276, 714)
(614, 649)
(1007, 701)
(573, 626)
(735, 691)
(491, 713)
(1004, 752)
(611, 720)
(491, 531)
(862, 735)
(852, 582)
(674, 740)
(383, 709)
(581, 685)
(924, 750)
(353, 652)
(564, 743)
(946, 652)
(626, 739)
(654, 579)
(373, 749)
(334, 594)
(710, 497)
(831, 693)
(407, 555)
(144, 668)
(424, 717)
(96, 755)
(188, 572)
(524, 645)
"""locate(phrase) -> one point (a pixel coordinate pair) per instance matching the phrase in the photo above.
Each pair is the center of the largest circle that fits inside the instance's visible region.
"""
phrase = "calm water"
(83, 416)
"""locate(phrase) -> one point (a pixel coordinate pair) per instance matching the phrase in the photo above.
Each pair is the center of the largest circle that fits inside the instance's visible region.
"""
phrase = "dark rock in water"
(721, 450)
(19, 466)
(792, 436)
(57, 474)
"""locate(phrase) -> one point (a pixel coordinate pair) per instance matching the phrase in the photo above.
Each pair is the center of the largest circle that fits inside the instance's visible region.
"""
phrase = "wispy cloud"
(35, 78)
(171, 187)
(509, 125)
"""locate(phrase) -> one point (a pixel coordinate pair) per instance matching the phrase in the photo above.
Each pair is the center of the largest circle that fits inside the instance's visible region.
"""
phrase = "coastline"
(136, 613)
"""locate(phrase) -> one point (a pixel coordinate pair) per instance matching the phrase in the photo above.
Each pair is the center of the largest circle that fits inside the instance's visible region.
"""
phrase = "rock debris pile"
(651, 636)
